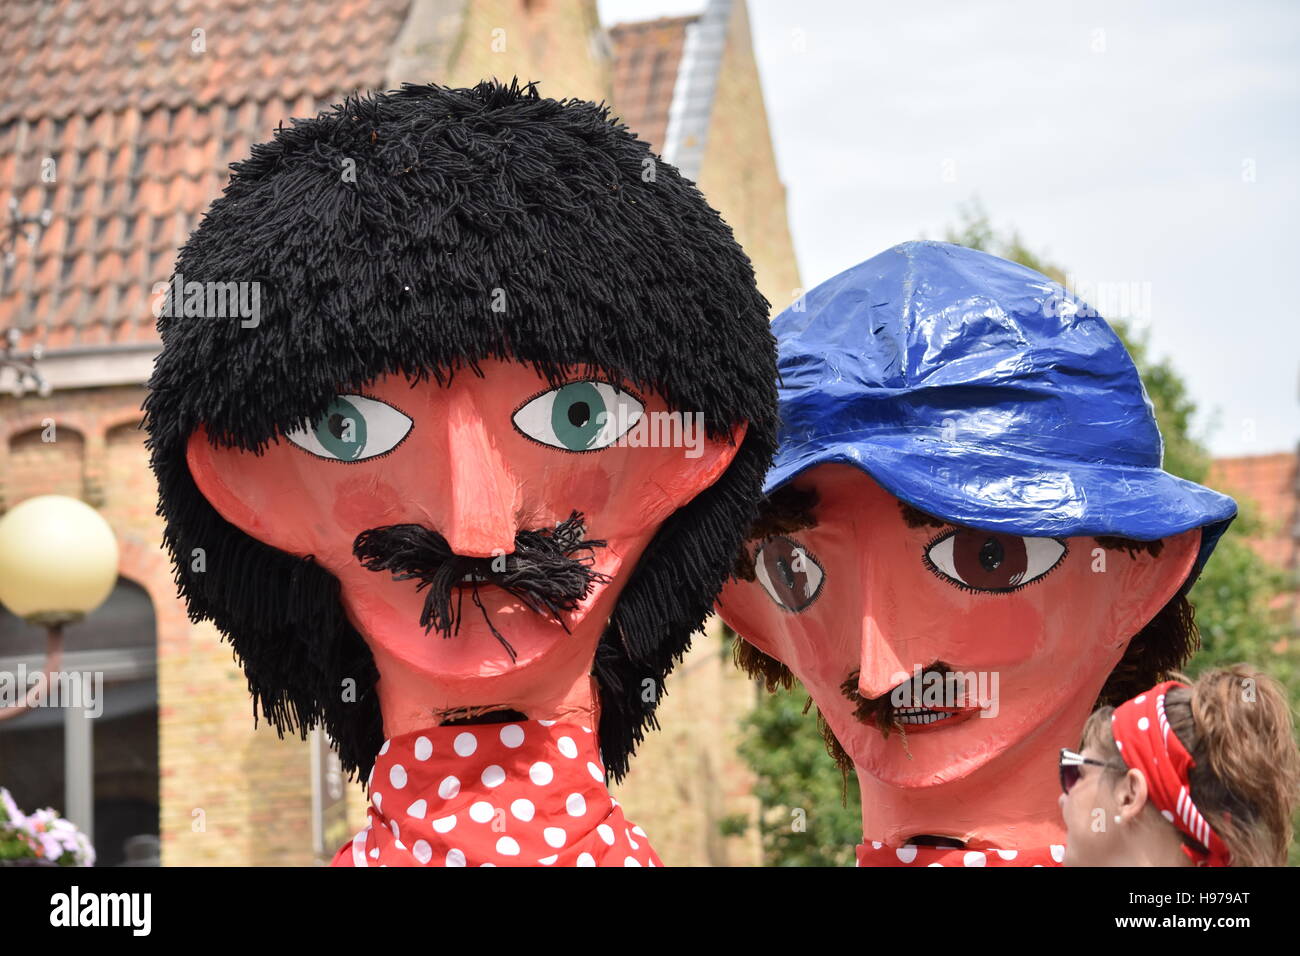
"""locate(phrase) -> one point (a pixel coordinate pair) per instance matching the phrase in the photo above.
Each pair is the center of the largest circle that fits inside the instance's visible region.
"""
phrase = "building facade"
(117, 124)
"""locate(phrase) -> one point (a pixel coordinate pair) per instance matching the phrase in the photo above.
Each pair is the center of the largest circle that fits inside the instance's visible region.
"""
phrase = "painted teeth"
(919, 715)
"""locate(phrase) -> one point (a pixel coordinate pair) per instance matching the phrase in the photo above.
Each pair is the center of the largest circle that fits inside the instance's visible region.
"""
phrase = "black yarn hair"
(381, 232)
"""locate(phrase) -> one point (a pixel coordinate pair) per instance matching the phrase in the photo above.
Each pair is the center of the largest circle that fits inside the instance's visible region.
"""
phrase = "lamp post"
(58, 562)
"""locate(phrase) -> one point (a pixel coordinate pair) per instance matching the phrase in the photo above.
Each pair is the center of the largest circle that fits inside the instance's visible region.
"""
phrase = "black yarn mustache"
(879, 711)
(549, 571)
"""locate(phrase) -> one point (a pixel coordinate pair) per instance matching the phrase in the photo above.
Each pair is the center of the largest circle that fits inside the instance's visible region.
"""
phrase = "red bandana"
(520, 794)
(877, 854)
(1142, 734)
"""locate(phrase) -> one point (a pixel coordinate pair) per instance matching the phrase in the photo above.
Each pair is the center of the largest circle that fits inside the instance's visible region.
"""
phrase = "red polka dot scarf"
(1146, 743)
(877, 854)
(529, 793)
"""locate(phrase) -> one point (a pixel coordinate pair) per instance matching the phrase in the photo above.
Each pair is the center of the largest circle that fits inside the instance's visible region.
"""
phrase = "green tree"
(1232, 598)
(810, 813)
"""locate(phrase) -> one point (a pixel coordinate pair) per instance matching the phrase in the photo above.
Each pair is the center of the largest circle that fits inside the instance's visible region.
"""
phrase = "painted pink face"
(1035, 624)
(477, 461)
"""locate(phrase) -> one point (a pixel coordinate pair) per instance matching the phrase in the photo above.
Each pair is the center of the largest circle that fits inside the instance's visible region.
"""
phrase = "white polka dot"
(374, 854)
(465, 744)
(423, 748)
(606, 833)
(567, 747)
(1167, 815)
(936, 864)
(548, 860)
(973, 858)
(397, 776)
(1140, 698)
(512, 735)
(384, 749)
(586, 859)
(906, 854)
(876, 844)
(445, 824)
(596, 773)
(632, 843)
(554, 836)
(507, 846)
(541, 773)
(1143, 723)
(481, 865)
(392, 825)
(418, 809)
(493, 776)
(1058, 852)
(449, 787)
(455, 857)
(547, 723)
(638, 831)
(630, 861)
(576, 805)
(481, 811)
(399, 844)
(586, 730)
(377, 799)
(523, 809)
(1008, 854)
(422, 852)
(1119, 745)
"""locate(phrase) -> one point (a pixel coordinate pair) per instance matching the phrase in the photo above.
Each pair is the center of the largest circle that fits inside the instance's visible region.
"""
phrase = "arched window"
(102, 756)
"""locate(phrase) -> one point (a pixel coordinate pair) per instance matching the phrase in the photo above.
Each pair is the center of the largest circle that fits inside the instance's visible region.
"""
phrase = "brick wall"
(558, 44)
(252, 789)
(739, 174)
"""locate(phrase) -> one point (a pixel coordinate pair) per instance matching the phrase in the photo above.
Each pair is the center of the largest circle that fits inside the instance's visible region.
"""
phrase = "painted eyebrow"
(916, 518)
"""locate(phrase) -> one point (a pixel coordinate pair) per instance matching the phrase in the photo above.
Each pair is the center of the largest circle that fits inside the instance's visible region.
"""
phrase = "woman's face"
(1089, 809)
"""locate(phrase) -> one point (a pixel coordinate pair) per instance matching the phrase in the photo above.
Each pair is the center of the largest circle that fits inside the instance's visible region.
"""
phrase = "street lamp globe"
(58, 560)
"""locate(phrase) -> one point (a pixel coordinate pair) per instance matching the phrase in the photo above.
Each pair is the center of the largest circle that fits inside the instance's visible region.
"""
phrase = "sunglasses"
(1071, 763)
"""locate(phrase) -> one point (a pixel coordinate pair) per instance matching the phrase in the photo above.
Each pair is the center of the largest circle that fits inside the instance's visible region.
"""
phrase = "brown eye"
(790, 575)
(988, 561)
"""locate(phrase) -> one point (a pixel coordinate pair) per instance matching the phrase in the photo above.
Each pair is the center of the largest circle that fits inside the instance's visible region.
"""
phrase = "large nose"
(880, 666)
(484, 493)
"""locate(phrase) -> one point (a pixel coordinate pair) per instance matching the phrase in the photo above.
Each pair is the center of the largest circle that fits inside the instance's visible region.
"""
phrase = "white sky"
(1151, 147)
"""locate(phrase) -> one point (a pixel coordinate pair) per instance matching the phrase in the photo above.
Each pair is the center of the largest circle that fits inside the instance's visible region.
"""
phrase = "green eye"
(581, 416)
(342, 431)
(578, 415)
(353, 428)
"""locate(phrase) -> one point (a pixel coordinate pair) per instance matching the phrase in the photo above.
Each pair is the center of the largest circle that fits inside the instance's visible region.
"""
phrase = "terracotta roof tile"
(143, 129)
(1272, 482)
(646, 61)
